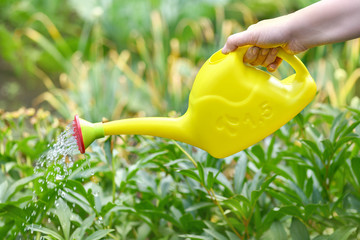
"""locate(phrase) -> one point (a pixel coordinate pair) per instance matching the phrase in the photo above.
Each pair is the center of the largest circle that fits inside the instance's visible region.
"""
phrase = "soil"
(17, 90)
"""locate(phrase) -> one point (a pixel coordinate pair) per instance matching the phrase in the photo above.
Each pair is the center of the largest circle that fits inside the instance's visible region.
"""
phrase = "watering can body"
(231, 106)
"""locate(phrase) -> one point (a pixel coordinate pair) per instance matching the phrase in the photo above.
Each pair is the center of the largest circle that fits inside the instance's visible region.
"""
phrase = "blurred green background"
(114, 58)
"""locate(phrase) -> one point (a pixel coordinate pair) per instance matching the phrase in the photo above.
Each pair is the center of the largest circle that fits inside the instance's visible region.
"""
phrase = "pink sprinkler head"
(78, 135)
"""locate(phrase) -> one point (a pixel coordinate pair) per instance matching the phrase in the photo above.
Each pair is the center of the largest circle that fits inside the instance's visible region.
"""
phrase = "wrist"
(295, 34)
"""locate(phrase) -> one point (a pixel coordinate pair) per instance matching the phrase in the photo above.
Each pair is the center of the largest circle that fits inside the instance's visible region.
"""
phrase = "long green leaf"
(38, 228)
(342, 233)
(190, 173)
(80, 231)
(99, 234)
(63, 212)
(239, 176)
(298, 230)
(18, 185)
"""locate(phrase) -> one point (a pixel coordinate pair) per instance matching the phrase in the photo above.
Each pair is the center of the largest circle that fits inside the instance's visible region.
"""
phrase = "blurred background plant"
(116, 59)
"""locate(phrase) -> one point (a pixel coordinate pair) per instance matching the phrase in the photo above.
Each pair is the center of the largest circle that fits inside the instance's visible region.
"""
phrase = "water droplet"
(59, 177)
(60, 154)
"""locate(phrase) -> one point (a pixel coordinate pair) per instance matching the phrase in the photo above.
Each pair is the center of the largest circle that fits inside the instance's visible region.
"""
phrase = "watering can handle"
(294, 61)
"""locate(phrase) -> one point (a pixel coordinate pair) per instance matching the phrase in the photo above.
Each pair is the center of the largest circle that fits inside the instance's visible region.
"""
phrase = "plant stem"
(224, 215)
(186, 153)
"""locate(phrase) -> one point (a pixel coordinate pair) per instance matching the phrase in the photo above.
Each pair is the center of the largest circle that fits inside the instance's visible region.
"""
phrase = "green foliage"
(302, 182)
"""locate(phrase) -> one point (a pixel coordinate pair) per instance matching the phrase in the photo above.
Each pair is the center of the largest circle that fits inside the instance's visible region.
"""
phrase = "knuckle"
(231, 39)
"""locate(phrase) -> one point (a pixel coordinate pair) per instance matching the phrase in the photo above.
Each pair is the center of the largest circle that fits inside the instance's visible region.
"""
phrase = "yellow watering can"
(231, 107)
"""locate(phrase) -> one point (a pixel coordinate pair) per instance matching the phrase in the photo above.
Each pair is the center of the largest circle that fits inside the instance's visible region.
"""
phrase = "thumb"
(238, 40)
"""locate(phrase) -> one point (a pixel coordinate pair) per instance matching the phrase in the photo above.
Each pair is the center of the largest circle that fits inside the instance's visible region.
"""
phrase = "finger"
(238, 40)
(273, 66)
(271, 57)
(261, 57)
(251, 54)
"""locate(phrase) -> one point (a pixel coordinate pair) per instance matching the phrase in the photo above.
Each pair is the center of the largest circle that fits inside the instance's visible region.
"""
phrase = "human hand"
(266, 37)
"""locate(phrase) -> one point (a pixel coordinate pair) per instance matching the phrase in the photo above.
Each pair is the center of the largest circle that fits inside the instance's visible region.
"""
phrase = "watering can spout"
(172, 128)
(86, 132)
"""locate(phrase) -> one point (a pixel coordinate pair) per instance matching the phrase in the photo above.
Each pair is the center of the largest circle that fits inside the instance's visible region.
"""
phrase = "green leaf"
(13, 212)
(298, 230)
(355, 167)
(321, 237)
(17, 186)
(210, 180)
(199, 206)
(48, 46)
(258, 153)
(312, 147)
(337, 126)
(143, 232)
(232, 236)
(281, 196)
(152, 156)
(276, 232)
(342, 233)
(201, 172)
(76, 186)
(212, 232)
(190, 224)
(38, 228)
(80, 231)
(108, 150)
(195, 237)
(328, 149)
(190, 173)
(239, 205)
(99, 234)
(350, 129)
(239, 175)
(63, 212)
(309, 187)
(257, 193)
(90, 197)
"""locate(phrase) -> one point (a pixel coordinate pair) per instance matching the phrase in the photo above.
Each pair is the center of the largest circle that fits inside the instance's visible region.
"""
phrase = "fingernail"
(272, 67)
(255, 50)
(264, 51)
(225, 51)
(274, 51)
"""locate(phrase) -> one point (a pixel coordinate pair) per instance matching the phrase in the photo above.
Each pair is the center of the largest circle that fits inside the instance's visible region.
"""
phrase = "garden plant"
(107, 60)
